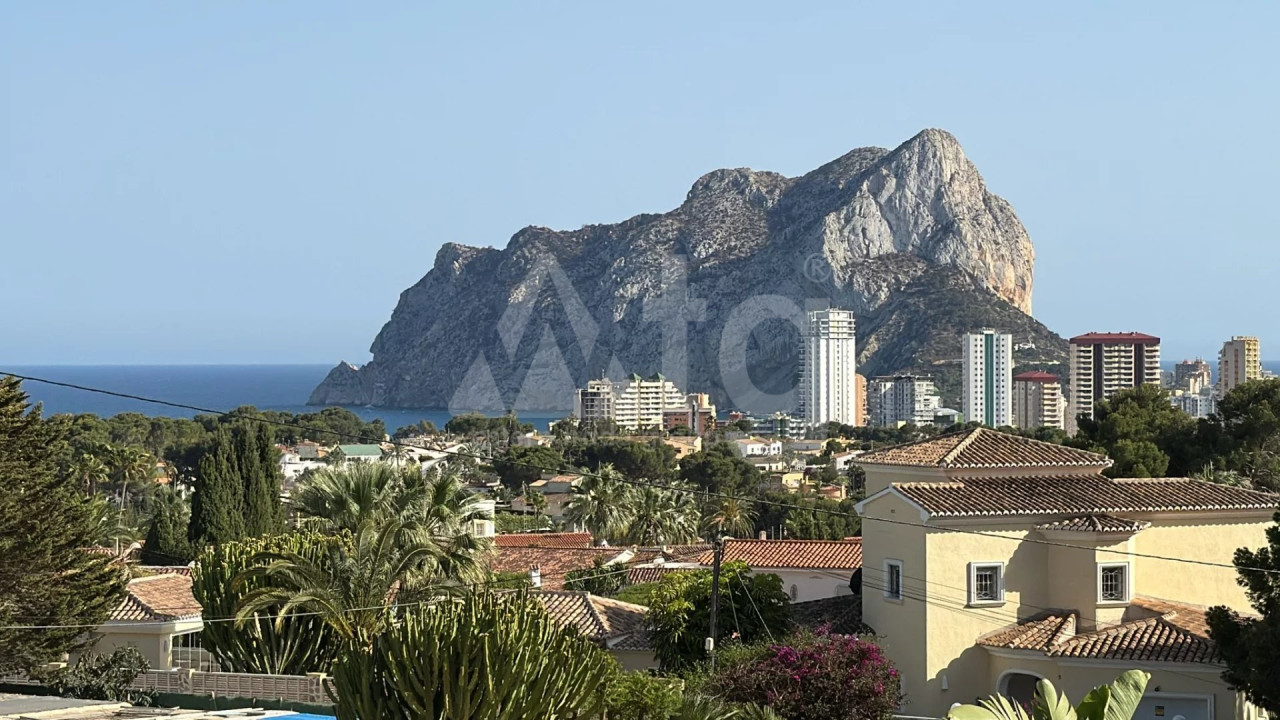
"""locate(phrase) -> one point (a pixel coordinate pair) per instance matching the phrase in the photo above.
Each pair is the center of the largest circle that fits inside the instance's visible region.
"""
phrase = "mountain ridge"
(908, 238)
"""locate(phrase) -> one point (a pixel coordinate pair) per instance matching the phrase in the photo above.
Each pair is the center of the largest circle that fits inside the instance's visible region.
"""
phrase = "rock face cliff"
(709, 293)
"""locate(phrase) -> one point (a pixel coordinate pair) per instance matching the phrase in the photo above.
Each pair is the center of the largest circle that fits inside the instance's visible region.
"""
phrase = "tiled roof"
(1078, 494)
(1096, 523)
(651, 574)
(983, 448)
(167, 569)
(1170, 632)
(552, 563)
(841, 614)
(158, 597)
(549, 540)
(801, 554)
(610, 622)
(1096, 338)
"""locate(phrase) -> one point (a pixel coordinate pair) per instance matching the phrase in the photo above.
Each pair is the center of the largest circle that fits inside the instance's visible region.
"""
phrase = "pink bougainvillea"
(816, 677)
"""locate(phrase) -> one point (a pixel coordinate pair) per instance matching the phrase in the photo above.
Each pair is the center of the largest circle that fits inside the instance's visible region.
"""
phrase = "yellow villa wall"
(1215, 540)
(900, 626)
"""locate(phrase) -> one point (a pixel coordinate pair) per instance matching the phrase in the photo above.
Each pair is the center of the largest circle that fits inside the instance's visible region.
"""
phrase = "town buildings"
(757, 447)
(698, 414)
(1199, 404)
(893, 400)
(634, 404)
(1192, 375)
(991, 561)
(1102, 364)
(986, 392)
(828, 382)
(1038, 401)
(1239, 362)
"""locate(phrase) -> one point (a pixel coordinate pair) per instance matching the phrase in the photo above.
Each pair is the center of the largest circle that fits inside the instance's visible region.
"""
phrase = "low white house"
(757, 447)
(810, 569)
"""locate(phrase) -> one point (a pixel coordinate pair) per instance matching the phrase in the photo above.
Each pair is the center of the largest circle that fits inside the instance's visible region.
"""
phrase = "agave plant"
(1116, 701)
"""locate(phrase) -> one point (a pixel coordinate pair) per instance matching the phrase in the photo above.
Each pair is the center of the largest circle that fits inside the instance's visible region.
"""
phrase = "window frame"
(974, 567)
(888, 593)
(1128, 582)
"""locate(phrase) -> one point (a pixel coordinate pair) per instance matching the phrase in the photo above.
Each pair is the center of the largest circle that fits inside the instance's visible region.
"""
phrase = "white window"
(1113, 582)
(986, 583)
(893, 579)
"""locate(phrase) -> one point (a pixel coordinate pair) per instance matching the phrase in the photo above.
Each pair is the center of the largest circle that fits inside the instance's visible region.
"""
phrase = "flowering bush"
(815, 677)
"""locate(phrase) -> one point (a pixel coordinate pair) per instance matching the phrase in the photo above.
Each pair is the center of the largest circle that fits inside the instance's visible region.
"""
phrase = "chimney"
(763, 535)
(535, 576)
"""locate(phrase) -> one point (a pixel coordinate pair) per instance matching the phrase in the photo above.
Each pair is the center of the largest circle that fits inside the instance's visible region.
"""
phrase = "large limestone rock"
(910, 239)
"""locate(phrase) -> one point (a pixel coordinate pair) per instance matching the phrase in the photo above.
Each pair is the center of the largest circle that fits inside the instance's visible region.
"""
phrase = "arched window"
(1019, 686)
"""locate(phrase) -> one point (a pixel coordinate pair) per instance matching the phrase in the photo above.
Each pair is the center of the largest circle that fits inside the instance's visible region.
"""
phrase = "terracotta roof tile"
(983, 448)
(805, 554)
(551, 540)
(157, 597)
(652, 574)
(1095, 523)
(605, 620)
(552, 563)
(1175, 633)
(1078, 494)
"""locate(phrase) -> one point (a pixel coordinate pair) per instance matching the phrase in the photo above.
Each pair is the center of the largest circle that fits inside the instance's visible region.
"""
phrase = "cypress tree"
(46, 577)
(167, 542)
(260, 472)
(217, 510)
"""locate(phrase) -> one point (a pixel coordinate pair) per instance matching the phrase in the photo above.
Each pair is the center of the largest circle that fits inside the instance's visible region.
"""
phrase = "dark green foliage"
(1251, 647)
(506, 522)
(519, 466)
(167, 542)
(101, 677)
(510, 580)
(600, 579)
(492, 657)
(217, 510)
(1141, 431)
(653, 459)
(752, 606)
(237, 486)
(641, 594)
(641, 696)
(718, 469)
(1246, 433)
(828, 519)
(46, 578)
(422, 427)
(497, 430)
(296, 644)
(870, 438)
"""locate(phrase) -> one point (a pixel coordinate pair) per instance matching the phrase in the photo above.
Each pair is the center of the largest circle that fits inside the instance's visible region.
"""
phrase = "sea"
(215, 387)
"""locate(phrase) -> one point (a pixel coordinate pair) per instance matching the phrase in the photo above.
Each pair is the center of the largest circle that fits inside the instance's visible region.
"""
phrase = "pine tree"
(167, 542)
(217, 510)
(260, 471)
(46, 578)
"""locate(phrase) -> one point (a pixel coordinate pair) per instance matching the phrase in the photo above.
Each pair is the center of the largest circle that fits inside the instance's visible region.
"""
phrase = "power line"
(649, 483)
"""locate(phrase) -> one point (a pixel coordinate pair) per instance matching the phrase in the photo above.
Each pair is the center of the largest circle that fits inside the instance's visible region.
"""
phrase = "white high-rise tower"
(987, 385)
(828, 385)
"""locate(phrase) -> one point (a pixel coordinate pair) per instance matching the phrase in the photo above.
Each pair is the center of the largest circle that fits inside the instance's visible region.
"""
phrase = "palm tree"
(108, 526)
(336, 456)
(356, 589)
(1116, 701)
(601, 503)
(92, 471)
(732, 517)
(663, 517)
(396, 454)
(132, 465)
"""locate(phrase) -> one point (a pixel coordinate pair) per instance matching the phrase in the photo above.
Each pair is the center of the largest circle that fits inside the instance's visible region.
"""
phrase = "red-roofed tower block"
(1103, 364)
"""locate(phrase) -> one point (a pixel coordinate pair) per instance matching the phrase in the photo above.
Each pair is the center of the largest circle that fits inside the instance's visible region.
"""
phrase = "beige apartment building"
(1038, 401)
(1103, 364)
(635, 404)
(991, 561)
(1239, 362)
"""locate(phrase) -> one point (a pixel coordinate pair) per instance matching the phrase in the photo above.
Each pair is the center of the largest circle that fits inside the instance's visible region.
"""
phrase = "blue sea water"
(216, 387)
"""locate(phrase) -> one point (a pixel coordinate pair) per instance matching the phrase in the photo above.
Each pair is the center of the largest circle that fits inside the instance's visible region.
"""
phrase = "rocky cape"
(910, 239)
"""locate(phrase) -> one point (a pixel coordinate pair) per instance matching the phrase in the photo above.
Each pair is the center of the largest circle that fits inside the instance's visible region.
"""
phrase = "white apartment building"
(757, 447)
(896, 399)
(1103, 364)
(986, 383)
(635, 404)
(1192, 375)
(828, 381)
(1199, 404)
(1239, 362)
(1038, 401)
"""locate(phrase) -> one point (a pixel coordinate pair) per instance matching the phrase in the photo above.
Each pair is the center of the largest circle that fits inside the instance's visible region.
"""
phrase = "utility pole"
(716, 555)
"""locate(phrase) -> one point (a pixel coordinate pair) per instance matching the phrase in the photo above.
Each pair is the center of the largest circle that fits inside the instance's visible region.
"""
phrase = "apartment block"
(828, 378)
(1192, 375)
(635, 404)
(1038, 401)
(1103, 364)
(896, 399)
(986, 383)
(1239, 362)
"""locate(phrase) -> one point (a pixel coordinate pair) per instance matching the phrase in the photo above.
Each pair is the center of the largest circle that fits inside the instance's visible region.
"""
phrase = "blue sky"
(257, 182)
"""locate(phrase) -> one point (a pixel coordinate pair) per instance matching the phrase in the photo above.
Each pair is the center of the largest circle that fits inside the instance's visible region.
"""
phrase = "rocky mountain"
(709, 293)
